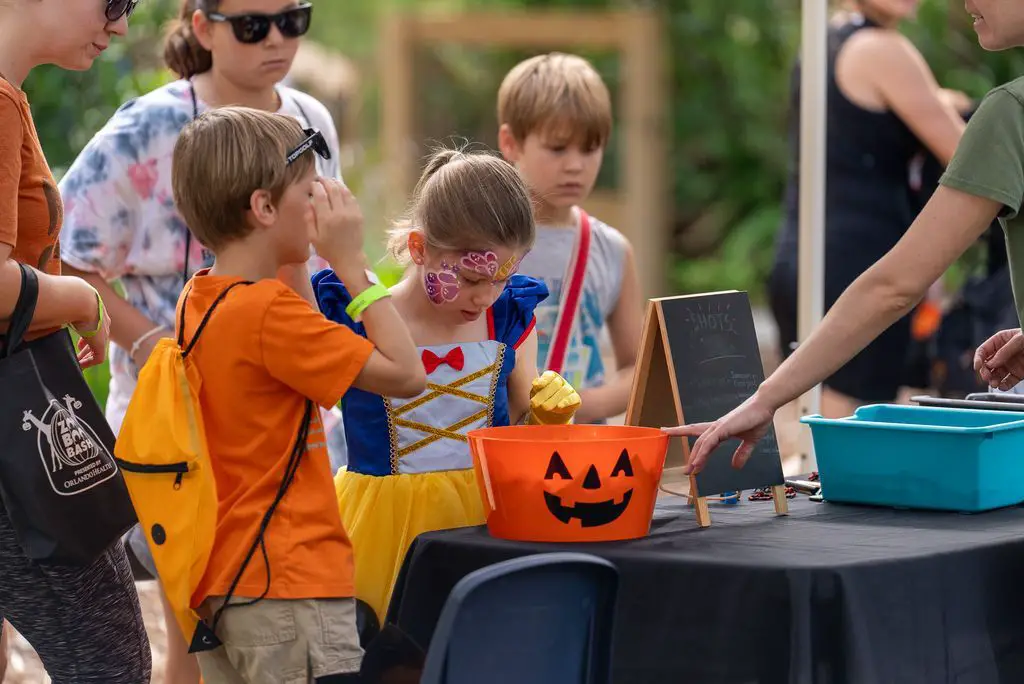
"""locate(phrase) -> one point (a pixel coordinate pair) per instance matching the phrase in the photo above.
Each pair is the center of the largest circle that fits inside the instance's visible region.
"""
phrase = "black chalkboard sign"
(699, 359)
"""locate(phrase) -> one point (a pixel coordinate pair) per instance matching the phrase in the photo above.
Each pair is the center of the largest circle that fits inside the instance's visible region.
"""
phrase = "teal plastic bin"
(921, 457)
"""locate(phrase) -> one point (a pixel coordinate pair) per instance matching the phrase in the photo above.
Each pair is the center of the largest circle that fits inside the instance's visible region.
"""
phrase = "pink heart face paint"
(442, 286)
(484, 263)
(446, 283)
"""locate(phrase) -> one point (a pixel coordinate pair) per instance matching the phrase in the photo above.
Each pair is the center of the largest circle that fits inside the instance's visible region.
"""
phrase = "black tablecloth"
(829, 594)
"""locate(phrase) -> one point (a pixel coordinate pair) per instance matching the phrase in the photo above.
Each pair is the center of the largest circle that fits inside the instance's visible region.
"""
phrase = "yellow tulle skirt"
(383, 514)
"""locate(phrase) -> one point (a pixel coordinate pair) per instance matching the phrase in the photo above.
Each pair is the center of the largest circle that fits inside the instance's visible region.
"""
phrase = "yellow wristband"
(99, 319)
(364, 299)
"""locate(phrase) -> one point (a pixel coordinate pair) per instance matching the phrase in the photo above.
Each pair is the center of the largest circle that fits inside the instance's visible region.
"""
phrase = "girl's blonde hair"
(466, 200)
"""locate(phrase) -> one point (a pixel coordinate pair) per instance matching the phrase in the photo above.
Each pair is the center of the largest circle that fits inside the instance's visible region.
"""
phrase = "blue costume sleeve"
(332, 298)
(513, 312)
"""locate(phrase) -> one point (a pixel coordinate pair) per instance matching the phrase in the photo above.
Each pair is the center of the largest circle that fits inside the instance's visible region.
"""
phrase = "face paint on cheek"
(484, 263)
(442, 286)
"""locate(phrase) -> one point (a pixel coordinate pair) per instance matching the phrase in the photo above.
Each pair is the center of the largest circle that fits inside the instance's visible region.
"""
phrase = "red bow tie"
(454, 358)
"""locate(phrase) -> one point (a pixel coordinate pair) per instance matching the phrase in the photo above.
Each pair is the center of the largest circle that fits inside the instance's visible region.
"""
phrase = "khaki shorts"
(281, 641)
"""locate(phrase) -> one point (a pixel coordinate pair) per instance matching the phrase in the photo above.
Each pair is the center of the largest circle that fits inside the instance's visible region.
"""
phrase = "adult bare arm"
(127, 324)
(949, 224)
(909, 88)
(62, 299)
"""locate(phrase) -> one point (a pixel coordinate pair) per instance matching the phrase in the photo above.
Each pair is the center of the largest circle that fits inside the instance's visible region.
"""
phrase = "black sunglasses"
(120, 8)
(315, 141)
(254, 28)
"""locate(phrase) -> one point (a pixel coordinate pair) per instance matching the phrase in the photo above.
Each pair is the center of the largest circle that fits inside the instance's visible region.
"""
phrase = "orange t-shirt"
(262, 353)
(31, 212)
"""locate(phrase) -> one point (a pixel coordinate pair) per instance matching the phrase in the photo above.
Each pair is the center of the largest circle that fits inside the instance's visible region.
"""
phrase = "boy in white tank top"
(555, 118)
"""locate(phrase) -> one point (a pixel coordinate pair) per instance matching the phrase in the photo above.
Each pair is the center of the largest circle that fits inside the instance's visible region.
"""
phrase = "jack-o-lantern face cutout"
(596, 502)
(568, 483)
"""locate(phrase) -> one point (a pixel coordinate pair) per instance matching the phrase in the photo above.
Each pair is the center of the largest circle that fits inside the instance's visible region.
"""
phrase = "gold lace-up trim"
(434, 433)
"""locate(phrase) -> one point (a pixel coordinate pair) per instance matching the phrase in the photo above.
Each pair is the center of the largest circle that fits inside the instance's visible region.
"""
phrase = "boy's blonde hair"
(466, 200)
(224, 156)
(556, 94)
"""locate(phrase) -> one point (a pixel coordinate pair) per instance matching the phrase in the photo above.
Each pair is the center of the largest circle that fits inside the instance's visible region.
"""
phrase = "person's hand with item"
(1000, 360)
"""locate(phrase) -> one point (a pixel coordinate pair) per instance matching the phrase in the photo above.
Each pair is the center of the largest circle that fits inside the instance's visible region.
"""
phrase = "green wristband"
(364, 299)
(99, 319)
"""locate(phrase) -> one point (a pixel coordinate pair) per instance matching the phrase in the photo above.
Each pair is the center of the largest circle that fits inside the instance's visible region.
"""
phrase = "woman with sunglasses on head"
(120, 214)
(84, 621)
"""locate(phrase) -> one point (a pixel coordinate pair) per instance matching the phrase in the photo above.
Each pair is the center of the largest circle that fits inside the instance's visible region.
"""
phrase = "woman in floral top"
(120, 219)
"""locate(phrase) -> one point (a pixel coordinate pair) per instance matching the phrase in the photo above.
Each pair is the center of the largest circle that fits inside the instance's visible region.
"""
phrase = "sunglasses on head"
(254, 28)
(120, 8)
(314, 141)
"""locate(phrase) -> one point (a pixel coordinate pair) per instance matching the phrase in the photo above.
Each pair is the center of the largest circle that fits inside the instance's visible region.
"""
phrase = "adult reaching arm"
(984, 180)
(949, 224)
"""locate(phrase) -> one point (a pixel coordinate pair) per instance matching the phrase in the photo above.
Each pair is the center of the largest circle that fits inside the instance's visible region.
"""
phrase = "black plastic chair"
(542, 619)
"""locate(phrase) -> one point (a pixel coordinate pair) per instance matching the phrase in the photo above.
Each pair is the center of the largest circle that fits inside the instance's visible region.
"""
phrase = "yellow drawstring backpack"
(163, 455)
(162, 452)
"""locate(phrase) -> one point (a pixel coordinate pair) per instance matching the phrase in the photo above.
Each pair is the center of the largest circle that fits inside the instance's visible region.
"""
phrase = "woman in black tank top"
(883, 107)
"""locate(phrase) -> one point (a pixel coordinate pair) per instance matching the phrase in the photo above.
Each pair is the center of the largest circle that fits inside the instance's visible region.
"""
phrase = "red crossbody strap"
(577, 268)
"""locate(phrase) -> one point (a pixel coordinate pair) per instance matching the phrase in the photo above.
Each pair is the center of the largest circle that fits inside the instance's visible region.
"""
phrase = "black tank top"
(867, 199)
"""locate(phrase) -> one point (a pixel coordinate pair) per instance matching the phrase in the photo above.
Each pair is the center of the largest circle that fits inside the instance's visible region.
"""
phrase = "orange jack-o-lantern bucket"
(568, 483)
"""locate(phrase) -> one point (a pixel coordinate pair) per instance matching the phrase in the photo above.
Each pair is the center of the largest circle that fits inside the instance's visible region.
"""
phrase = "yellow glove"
(553, 401)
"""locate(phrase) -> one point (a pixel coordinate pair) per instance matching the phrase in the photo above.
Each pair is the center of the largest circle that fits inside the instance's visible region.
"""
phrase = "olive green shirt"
(989, 162)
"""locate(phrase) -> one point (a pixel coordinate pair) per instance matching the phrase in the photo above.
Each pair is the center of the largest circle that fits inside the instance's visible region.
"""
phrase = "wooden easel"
(656, 400)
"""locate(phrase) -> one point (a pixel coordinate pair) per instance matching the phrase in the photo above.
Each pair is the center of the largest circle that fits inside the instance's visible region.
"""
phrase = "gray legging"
(84, 622)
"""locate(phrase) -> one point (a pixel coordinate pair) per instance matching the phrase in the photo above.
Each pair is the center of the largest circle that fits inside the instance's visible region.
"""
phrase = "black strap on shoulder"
(206, 317)
(24, 311)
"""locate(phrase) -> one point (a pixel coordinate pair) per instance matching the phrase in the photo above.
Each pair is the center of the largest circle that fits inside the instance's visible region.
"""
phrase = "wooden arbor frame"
(640, 205)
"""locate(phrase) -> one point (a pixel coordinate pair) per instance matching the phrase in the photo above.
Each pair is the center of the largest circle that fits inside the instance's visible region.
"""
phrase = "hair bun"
(182, 52)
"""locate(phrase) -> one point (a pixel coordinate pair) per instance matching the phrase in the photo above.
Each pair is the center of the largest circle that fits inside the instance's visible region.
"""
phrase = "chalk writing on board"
(742, 384)
(713, 318)
(745, 382)
(721, 358)
(713, 329)
(712, 343)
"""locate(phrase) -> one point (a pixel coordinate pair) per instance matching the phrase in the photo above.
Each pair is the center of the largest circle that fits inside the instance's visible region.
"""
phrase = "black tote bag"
(59, 483)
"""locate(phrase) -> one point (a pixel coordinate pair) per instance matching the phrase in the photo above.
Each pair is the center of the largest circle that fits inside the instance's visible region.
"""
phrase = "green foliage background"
(729, 64)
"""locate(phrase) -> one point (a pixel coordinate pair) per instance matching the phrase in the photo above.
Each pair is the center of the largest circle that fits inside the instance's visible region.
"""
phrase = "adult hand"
(1000, 360)
(749, 422)
(92, 350)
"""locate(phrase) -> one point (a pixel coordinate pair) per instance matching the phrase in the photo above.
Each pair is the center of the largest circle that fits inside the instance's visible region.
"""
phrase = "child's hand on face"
(553, 401)
(335, 224)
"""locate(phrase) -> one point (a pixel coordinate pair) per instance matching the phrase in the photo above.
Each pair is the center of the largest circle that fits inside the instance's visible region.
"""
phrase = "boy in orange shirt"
(245, 182)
